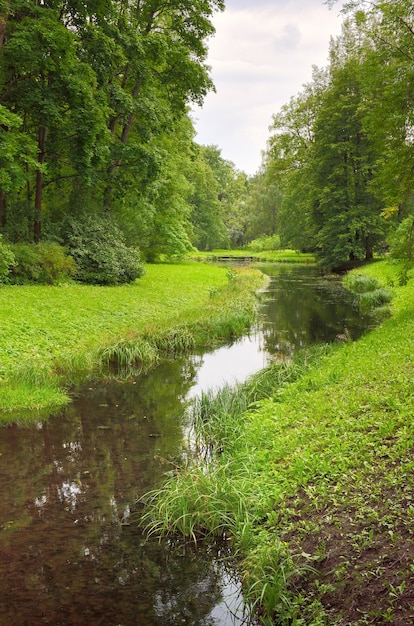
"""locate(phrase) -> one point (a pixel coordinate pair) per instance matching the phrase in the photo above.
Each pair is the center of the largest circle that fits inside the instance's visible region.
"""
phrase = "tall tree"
(100, 85)
(346, 210)
(287, 163)
(54, 93)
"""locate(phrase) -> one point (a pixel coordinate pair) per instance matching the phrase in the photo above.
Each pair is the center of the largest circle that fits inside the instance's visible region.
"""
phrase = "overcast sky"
(261, 55)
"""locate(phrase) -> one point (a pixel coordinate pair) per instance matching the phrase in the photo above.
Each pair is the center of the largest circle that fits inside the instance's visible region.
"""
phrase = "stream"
(71, 550)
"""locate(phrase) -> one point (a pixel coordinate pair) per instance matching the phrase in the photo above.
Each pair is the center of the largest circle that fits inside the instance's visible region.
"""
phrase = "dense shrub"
(7, 261)
(402, 241)
(262, 244)
(100, 252)
(44, 263)
(402, 247)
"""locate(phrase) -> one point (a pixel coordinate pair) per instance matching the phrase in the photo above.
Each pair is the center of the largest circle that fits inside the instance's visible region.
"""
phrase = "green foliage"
(207, 210)
(402, 246)
(93, 99)
(7, 261)
(100, 253)
(17, 152)
(44, 263)
(264, 243)
(340, 151)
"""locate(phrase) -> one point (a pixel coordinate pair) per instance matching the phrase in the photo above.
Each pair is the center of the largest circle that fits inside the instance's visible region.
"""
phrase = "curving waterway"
(71, 550)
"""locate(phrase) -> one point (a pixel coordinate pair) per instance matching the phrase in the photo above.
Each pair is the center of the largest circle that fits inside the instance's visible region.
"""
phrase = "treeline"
(97, 142)
(95, 130)
(339, 162)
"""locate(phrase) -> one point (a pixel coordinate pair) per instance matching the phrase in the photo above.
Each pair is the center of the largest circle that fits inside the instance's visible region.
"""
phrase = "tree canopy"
(95, 123)
(94, 101)
(341, 151)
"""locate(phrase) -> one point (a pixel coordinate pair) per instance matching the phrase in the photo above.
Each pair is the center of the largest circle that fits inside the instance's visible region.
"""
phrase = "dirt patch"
(358, 536)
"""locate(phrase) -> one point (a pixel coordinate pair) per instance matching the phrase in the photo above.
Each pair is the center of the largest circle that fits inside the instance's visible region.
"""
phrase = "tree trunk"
(369, 253)
(3, 209)
(112, 169)
(42, 136)
(3, 22)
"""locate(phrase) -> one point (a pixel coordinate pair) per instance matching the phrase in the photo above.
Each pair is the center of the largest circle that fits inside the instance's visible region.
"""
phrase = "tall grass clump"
(371, 297)
(129, 354)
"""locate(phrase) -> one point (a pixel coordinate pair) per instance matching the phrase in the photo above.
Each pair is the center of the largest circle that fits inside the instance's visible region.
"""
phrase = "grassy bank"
(54, 337)
(311, 479)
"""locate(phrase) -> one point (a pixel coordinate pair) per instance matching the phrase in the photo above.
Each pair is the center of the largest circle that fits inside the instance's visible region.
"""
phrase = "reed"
(135, 352)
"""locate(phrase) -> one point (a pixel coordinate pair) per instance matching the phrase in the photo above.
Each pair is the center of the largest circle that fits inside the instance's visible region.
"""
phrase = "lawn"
(53, 336)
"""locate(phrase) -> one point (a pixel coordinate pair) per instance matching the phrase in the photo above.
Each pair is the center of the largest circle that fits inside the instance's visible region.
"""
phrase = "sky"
(261, 55)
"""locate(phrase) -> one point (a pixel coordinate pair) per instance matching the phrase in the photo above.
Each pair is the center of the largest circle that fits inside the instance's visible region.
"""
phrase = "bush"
(44, 263)
(402, 246)
(264, 243)
(7, 261)
(100, 252)
(402, 241)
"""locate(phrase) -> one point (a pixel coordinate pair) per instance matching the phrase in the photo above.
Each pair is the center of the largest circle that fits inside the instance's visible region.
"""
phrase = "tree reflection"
(302, 308)
(69, 553)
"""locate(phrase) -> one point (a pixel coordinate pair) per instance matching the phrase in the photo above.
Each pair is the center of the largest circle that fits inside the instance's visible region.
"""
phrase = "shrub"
(44, 263)
(102, 257)
(402, 246)
(272, 242)
(7, 261)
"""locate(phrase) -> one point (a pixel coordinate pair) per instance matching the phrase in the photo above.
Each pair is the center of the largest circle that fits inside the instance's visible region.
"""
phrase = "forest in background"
(97, 141)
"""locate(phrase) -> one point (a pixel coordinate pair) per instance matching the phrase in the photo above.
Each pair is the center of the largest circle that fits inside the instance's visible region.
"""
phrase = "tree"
(288, 165)
(346, 210)
(264, 203)
(17, 157)
(386, 40)
(54, 94)
(207, 214)
(101, 86)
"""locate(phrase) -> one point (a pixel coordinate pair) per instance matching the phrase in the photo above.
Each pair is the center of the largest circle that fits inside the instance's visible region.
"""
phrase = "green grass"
(314, 482)
(274, 256)
(53, 337)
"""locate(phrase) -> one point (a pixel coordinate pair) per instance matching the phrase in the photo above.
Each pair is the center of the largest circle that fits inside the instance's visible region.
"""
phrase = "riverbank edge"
(39, 385)
(313, 484)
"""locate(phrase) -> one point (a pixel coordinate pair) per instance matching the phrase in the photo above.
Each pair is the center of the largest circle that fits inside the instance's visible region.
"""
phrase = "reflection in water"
(71, 552)
(70, 549)
(303, 308)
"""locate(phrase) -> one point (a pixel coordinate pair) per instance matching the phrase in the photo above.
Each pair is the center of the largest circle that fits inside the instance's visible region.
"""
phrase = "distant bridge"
(228, 258)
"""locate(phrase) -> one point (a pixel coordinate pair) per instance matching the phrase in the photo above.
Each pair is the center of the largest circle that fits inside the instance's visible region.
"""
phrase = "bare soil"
(358, 537)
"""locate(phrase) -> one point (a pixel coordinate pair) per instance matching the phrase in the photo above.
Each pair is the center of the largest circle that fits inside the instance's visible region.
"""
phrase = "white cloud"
(261, 56)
